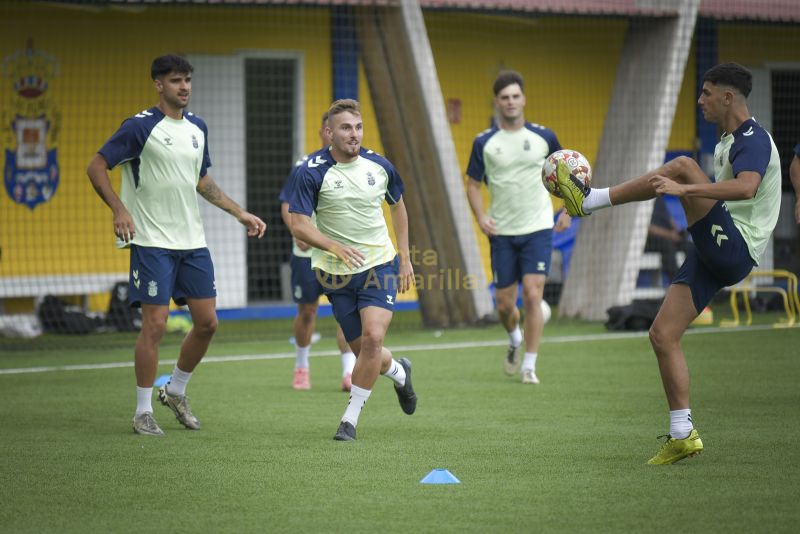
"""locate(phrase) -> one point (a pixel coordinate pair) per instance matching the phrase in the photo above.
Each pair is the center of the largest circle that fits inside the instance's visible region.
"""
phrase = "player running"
(345, 185)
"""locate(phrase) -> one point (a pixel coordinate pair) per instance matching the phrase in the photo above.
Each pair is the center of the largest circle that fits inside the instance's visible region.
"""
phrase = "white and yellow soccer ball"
(577, 164)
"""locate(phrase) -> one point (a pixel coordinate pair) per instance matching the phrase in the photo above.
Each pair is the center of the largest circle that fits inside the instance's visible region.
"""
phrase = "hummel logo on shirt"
(316, 162)
(168, 141)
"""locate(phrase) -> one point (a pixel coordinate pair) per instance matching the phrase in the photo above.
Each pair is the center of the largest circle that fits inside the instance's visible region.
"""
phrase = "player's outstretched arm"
(98, 174)
(400, 223)
(210, 191)
(304, 230)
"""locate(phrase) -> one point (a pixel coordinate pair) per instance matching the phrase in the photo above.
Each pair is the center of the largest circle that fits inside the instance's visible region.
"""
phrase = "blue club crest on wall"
(30, 126)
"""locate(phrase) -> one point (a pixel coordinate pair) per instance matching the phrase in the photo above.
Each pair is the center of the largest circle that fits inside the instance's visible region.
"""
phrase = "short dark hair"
(731, 74)
(506, 78)
(325, 118)
(163, 65)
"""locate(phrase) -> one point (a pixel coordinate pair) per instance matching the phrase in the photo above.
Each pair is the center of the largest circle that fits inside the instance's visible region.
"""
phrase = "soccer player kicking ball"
(361, 273)
(730, 220)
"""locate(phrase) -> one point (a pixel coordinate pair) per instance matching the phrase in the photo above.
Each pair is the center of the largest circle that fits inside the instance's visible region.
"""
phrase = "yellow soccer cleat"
(674, 450)
(572, 191)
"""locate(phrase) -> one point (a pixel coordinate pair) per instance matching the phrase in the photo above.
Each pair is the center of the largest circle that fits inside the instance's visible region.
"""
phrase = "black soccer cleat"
(346, 432)
(405, 394)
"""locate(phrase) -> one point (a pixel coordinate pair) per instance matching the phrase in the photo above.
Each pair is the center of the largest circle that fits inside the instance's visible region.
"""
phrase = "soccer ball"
(546, 311)
(576, 162)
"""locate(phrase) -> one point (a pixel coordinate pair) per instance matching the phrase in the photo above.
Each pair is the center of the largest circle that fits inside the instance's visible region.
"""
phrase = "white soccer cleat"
(529, 377)
(512, 360)
(145, 424)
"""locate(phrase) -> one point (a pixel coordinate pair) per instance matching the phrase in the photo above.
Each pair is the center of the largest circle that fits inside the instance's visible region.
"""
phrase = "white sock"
(596, 199)
(397, 373)
(144, 400)
(348, 362)
(529, 362)
(680, 423)
(177, 382)
(301, 360)
(515, 337)
(358, 398)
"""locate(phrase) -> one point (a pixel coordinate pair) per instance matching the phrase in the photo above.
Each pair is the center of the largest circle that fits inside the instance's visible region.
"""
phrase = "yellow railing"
(791, 301)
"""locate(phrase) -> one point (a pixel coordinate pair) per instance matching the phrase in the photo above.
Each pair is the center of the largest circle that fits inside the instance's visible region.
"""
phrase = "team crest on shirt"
(194, 142)
(370, 178)
(30, 124)
(526, 146)
(152, 288)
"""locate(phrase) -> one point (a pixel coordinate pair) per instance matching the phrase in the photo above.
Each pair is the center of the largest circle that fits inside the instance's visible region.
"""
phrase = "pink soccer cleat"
(302, 379)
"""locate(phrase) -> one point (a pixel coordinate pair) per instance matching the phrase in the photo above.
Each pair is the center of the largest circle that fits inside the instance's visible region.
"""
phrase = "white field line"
(399, 349)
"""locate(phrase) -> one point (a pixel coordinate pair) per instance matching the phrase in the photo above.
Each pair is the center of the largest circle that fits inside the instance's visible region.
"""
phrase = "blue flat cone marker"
(440, 476)
(161, 380)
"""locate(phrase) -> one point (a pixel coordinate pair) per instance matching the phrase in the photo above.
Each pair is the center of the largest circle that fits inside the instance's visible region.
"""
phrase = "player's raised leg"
(582, 200)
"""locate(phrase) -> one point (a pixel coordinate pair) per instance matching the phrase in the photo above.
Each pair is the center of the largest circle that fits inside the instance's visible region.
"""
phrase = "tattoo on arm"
(214, 194)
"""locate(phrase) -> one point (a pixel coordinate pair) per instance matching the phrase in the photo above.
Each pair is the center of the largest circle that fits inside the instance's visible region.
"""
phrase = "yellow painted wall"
(104, 54)
(104, 57)
(569, 65)
(683, 135)
(758, 45)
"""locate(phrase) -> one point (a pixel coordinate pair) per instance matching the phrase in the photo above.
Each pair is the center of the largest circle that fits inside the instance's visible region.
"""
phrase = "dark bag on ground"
(121, 317)
(639, 315)
(58, 318)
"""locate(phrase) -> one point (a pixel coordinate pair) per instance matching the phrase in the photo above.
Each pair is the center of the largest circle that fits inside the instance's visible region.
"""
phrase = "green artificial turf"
(568, 455)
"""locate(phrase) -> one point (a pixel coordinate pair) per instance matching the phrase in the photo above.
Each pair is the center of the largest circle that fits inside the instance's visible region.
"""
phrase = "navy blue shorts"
(720, 257)
(350, 293)
(158, 274)
(306, 289)
(514, 256)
